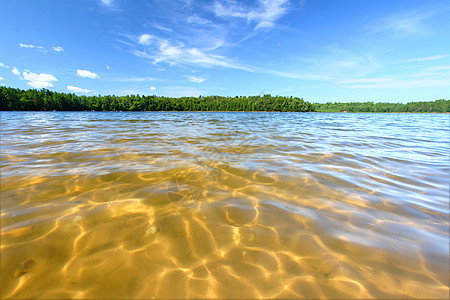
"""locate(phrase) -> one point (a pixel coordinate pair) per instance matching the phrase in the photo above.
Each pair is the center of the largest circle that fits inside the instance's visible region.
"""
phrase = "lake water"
(224, 205)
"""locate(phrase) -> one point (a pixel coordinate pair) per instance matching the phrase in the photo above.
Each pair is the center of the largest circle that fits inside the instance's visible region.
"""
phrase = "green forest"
(45, 100)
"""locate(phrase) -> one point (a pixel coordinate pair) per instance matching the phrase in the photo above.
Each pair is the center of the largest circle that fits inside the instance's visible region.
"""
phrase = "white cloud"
(106, 2)
(180, 54)
(58, 49)
(38, 77)
(77, 89)
(410, 23)
(195, 79)
(157, 26)
(108, 67)
(204, 43)
(195, 19)
(368, 80)
(42, 49)
(110, 5)
(15, 71)
(331, 65)
(39, 80)
(145, 39)
(392, 83)
(265, 15)
(1, 78)
(26, 45)
(40, 84)
(298, 75)
(3, 65)
(440, 78)
(439, 68)
(152, 88)
(427, 58)
(88, 74)
(135, 79)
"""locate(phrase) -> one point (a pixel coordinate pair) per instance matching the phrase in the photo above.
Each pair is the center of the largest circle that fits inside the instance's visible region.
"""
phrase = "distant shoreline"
(12, 99)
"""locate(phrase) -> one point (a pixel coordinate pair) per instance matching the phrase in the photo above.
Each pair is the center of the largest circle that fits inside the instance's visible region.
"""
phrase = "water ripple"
(224, 205)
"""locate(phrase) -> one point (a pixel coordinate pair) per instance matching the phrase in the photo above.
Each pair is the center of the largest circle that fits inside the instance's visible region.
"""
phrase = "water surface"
(224, 205)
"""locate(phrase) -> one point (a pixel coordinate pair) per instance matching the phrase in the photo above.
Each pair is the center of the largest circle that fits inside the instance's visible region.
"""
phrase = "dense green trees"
(429, 106)
(16, 99)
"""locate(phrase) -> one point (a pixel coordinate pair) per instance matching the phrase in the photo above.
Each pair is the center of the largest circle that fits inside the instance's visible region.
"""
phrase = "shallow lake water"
(224, 205)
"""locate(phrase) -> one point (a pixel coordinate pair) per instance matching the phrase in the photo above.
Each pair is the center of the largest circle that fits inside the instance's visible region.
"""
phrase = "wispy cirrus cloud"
(335, 64)
(332, 64)
(366, 80)
(439, 68)
(195, 79)
(160, 27)
(344, 69)
(424, 77)
(87, 74)
(402, 83)
(195, 19)
(107, 2)
(31, 46)
(41, 48)
(298, 75)
(403, 24)
(134, 79)
(265, 14)
(202, 35)
(109, 5)
(3, 65)
(178, 53)
(428, 58)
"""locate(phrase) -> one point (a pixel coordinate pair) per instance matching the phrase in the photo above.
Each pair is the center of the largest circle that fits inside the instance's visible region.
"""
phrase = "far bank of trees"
(422, 106)
(16, 99)
(42, 100)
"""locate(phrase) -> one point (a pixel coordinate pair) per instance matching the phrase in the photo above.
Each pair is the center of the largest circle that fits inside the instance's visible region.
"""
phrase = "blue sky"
(320, 50)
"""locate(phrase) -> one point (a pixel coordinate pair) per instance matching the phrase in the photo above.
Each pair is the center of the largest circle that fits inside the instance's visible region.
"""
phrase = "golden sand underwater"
(224, 205)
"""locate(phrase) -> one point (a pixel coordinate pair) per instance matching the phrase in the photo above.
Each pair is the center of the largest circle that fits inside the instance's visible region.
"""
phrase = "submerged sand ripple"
(263, 213)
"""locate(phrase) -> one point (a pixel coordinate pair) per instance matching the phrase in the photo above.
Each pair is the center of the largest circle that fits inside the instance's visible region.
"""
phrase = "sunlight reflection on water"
(224, 205)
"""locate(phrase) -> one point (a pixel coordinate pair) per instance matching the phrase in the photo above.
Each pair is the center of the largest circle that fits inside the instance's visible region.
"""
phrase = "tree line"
(421, 106)
(45, 100)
